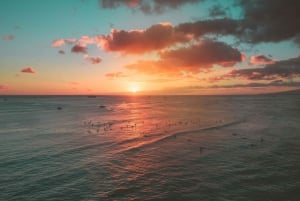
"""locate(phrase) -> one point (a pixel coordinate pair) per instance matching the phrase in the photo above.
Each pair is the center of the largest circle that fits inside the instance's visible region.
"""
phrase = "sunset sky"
(149, 46)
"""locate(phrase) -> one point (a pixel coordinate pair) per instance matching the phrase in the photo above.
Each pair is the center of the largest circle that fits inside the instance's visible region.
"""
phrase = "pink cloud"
(61, 42)
(261, 60)
(28, 70)
(8, 37)
(70, 40)
(86, 40)
(58, 43)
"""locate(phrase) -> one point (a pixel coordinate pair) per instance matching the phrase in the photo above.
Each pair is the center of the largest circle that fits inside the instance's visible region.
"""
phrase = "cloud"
(146, 6)
(223, 26)
(62, 42)
(58, 43)
(261, 21)
(205, 54)
(156, 37)
(79, 49)
(115, 75)
(3, 86)
(86, 40)
(275, 83)
(117, 3)
(61, 52)
(93, 60)
(28, 70)
(217, 11)
(270, 22)
(8, 37)
(284, 69)
(190, 59)
(261, 60)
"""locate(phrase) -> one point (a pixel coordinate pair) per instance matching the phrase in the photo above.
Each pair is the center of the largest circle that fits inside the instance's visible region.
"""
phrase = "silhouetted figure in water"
(59, 108)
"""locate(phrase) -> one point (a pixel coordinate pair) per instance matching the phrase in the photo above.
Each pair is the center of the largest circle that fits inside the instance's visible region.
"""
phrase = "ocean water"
(150, 148)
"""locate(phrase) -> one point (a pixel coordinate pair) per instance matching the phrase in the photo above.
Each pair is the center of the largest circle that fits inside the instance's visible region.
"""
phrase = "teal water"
(150, 148)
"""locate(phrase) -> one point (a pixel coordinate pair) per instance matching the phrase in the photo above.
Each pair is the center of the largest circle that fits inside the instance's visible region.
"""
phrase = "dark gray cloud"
(79, 49)
(270, 21)
(146, 6)
(275, 83)
(156, 37)
(223, 26)
(61, 52)
(94, 60)
(217, 11)
(284, 69)
(262, 21)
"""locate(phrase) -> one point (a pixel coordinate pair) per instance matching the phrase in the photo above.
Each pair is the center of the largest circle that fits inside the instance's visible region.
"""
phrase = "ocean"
(150, 147)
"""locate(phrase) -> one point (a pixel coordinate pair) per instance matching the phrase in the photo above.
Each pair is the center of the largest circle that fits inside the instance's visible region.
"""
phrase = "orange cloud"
(190, 59)
(28, 70)
(58, 43)
(115, 75)
(261, 60)
(156, 37)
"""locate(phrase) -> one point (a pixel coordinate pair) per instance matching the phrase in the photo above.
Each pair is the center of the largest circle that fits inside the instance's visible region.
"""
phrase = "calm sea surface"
(150, 148)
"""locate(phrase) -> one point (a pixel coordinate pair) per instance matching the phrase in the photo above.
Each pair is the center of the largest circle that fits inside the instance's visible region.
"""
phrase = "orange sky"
(172, 47)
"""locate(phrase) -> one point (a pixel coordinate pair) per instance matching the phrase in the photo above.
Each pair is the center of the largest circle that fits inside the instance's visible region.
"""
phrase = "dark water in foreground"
(150, 148)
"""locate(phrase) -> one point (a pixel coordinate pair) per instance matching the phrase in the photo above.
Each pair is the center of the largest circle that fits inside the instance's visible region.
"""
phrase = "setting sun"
(134, 89)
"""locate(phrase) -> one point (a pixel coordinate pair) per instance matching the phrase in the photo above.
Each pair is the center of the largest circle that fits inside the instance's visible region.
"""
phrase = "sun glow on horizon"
(134, 89)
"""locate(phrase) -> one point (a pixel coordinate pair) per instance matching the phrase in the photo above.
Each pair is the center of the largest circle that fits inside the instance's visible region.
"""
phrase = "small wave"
(142, 144)
(12, 130)
(81, 148)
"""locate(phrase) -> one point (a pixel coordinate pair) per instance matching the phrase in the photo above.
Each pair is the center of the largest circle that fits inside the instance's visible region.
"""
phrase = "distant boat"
(92, 96)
